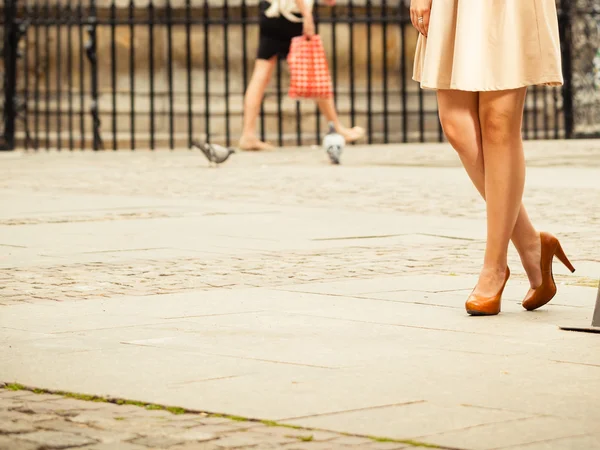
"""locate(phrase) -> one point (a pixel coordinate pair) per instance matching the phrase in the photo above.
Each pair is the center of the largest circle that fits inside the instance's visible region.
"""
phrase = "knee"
(456, 130)
(497, 127)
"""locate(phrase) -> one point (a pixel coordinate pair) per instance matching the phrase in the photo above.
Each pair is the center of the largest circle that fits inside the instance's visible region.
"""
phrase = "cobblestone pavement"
(30, 421)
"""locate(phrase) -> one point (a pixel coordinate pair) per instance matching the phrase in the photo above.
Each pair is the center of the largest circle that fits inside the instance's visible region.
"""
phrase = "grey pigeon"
(215, 153)
(334, 143)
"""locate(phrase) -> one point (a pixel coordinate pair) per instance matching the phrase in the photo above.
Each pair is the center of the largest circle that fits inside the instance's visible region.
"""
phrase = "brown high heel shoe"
(478, 305)
(542, 294)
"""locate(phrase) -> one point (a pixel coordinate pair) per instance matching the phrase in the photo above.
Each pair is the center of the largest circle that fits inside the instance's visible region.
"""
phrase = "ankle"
(525, 237)
(497, 270)
(339, 127)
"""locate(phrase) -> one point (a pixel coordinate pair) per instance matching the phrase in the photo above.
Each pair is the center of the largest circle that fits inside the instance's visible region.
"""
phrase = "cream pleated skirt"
(489, 45)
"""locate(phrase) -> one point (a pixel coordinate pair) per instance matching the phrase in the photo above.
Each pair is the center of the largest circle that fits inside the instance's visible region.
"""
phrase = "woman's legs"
(460, 117)
(327, 107)
(263, 70)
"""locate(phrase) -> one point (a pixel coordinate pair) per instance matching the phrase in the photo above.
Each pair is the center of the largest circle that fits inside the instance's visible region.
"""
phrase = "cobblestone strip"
(264, 269)
(41, 421)
(273, 269)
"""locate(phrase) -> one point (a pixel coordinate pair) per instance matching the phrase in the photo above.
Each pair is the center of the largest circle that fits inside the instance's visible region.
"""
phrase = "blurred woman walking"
(280, 21)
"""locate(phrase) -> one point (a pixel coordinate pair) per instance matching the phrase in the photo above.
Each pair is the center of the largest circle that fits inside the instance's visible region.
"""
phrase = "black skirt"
(276, 34)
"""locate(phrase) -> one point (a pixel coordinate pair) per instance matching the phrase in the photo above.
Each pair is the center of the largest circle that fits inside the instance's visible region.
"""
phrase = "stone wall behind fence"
(586, 66)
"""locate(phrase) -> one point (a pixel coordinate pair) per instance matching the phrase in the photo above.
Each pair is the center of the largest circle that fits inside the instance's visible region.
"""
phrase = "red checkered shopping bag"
(309, 72)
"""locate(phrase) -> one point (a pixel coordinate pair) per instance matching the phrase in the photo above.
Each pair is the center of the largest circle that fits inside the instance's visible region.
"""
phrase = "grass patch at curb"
(178, 410)
(234, 418)
(97, 398)
(306, 438)
(584, 282)
(272, 423)
(405, 441)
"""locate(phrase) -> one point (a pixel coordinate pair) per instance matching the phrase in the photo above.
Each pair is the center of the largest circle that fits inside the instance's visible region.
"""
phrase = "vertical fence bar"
(26, 70)
(188, 62)
(299, 114)
(334, 67)
(317, 110)
(262, 105)
(351, 62)
(535, 111)
(93, 57)
(36, 64)
(81, 76)
(47, 71)
(279, 111)
(526, 116)
(244, 44)
(298, 124)
(226, 58)
(113, 67)
(132, 73)
(69, 16)
(530, 113)
(403, 74)
(151, 71)
(546, 119)
(170, 74)
(244, 12)
(206, 72)
(556, 113)
(384, 15)
(58, 59)
(10, 67)
(566, 9)
(263, 136)
(369, 73)
(421, 116)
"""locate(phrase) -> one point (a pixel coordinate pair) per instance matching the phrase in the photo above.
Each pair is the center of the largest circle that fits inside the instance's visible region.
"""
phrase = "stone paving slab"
(571, 442)
(522, 432)
(415, 419)
(279, 287)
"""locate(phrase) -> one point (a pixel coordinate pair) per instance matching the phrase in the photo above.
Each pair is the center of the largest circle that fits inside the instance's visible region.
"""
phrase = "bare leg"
(327, 107)
(500, 115)
(263, 70)
(459, 114)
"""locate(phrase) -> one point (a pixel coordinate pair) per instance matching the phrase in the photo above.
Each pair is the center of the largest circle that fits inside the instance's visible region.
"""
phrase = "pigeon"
(215, 153)
(333, 143)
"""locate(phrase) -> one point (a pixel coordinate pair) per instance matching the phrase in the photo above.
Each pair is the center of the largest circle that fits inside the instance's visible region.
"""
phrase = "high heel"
(478, 305)
(546, 291)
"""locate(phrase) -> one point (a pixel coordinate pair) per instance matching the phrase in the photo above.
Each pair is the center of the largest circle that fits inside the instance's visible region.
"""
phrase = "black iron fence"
(146, 74)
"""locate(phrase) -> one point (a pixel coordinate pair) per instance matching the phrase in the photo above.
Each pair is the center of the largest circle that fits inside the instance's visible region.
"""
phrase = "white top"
(286, 8)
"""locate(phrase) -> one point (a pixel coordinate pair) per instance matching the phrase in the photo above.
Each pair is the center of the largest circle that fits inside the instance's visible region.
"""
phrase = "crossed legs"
(485, 130)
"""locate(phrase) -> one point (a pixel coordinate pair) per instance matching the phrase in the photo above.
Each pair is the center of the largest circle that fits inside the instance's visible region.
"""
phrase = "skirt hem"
(551, 82)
